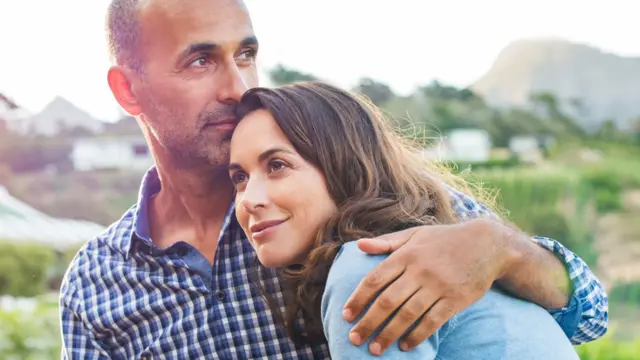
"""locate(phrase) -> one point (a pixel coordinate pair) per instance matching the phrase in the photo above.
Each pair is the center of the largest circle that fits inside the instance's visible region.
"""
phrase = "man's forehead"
(184, 21)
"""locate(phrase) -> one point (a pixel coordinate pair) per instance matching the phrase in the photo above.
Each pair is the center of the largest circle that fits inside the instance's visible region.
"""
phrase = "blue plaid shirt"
(123, 298)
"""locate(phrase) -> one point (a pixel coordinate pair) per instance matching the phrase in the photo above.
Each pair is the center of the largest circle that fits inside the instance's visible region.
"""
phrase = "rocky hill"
(607, 85)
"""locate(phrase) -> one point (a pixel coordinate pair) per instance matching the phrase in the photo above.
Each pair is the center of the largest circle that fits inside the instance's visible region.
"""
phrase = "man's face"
(199, 58)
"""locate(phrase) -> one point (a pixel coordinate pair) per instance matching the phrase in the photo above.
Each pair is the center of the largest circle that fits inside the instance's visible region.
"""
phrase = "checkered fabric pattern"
(122, 298)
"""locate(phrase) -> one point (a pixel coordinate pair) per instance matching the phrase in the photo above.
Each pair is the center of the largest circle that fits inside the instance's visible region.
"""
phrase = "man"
(171, 278)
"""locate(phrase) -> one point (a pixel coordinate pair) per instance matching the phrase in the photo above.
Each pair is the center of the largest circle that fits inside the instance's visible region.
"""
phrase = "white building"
(21, 222)
(526, 148)
(465, 145)
(126, 152)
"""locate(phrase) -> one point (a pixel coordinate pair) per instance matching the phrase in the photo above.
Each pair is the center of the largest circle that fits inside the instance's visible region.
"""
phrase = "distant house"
(526, 148)
(126, 152)
(463, 145)
(58, 116)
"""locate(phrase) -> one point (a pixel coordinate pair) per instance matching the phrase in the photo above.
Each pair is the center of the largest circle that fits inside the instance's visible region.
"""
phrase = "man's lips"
(264, 225)
(225, 123)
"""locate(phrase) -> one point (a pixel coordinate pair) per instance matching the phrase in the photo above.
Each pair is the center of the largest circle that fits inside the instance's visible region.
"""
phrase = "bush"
(609, 349)
(30, 334)
(627, 294)
(24, 268)
(547, 203)
(607, 190)
(550, 223)
(489, 164)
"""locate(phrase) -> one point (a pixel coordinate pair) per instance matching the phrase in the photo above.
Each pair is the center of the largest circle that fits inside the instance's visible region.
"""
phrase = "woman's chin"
(270, 261)
(273, 259)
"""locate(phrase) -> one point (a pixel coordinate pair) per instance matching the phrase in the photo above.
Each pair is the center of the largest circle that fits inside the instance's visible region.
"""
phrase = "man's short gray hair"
(123, 32)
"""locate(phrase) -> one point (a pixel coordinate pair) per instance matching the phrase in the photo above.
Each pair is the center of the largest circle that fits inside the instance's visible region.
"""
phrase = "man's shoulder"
(98, 252)
(464, 205)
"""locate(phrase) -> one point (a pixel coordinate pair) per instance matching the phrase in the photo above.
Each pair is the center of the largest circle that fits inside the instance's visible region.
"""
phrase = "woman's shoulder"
(350, 266)
(500, 326)
(356, 261)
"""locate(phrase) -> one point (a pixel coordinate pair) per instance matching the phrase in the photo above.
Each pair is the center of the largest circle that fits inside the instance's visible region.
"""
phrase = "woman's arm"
(350, 267)
(499, 326)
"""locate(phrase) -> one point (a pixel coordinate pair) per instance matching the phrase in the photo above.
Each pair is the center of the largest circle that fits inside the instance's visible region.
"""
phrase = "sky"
(58, 48)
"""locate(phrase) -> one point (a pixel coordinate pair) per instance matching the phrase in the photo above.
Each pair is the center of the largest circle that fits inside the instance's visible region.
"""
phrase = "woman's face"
(282, 200)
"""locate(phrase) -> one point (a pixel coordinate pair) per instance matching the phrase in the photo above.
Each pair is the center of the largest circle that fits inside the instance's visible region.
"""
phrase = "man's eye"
(249, 54)
(199, 62)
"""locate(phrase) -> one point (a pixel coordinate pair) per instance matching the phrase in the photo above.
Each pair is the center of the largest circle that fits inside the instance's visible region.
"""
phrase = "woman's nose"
(254, 196)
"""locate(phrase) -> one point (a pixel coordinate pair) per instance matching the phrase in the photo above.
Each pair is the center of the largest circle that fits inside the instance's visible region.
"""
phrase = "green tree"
(281, 75)
(378, 92)
(436, 90)
(635, 130)
(608, 131)
(548, 106)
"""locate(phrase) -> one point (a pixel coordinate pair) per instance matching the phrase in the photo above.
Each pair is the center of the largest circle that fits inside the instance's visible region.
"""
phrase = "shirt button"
(220, 295)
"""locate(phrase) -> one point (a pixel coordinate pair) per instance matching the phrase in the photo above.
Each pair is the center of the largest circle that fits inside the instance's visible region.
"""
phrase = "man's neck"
(190, 207)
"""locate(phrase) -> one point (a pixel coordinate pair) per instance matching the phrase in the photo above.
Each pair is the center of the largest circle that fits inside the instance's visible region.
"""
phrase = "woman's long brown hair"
(379, 184)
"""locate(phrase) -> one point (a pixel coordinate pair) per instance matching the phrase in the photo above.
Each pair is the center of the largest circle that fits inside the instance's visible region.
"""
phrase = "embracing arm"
(543, 271)
(78, 342)
(435, 271)
(350, 266)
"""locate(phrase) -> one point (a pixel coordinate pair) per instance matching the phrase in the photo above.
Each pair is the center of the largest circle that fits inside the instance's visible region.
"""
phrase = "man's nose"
(234, 84)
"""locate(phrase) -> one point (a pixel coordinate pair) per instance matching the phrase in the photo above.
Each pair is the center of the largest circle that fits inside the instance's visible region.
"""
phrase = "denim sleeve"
(499, 326)
(349, 268)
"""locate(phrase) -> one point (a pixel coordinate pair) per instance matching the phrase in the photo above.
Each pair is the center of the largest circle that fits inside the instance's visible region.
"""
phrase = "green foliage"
(551, 223)
(30, 335)
(609, 349)
(607, 190)
(436, 90)
(376, 91)
(625, 294)
(546, 203)
(508, 163)
(24, 268)
(282, 75)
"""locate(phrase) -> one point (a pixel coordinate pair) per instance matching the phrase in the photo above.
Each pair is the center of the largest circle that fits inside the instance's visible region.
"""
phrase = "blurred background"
(538, 100)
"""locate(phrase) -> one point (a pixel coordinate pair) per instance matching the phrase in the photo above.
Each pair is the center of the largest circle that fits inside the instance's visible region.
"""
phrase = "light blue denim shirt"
(496, 327)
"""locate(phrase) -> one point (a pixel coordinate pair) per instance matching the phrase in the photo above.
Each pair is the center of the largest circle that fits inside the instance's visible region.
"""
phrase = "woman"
(316, 168)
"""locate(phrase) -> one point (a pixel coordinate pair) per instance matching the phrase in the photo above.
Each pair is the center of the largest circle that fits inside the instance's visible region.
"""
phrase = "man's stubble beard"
(192, 146)
(197, 151)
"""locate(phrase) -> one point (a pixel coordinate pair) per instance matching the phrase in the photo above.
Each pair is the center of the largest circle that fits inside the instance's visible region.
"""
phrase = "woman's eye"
(277, 165)
(238, 178)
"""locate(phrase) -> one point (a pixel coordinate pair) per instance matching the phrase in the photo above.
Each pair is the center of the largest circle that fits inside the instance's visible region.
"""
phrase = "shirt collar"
(149, 187)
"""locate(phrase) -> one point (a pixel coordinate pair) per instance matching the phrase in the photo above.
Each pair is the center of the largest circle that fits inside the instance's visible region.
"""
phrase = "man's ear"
(120, 84)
